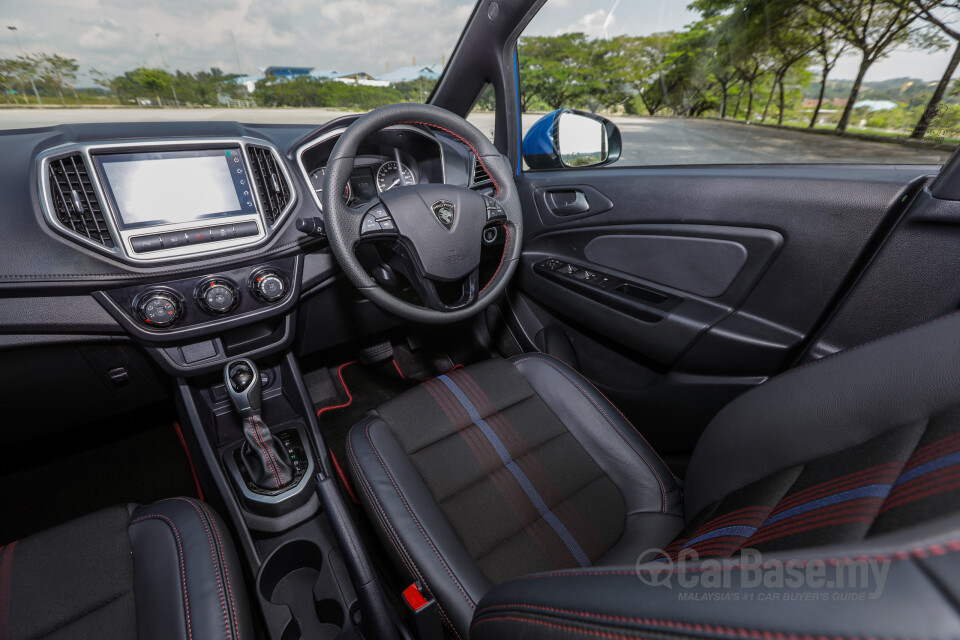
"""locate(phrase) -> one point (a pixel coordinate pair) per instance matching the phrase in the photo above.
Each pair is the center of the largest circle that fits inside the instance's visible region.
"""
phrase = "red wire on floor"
(193, 469)
(345, 388)
(396, 365)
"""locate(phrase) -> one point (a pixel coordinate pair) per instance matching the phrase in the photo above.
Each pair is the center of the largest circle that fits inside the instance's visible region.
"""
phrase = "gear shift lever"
(267, 463)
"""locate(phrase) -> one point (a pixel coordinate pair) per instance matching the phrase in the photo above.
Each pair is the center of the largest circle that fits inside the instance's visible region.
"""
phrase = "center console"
(301, 575)
(210, 284)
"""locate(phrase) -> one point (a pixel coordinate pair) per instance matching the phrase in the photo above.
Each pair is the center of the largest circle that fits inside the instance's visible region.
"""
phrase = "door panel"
(694, 284)
(658, 321)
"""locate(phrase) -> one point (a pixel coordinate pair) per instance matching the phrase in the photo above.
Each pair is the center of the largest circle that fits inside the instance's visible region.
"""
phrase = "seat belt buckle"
(426, 613)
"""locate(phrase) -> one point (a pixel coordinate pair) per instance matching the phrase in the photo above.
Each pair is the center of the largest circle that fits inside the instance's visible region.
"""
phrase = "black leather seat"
(166, 570)
(524, 500)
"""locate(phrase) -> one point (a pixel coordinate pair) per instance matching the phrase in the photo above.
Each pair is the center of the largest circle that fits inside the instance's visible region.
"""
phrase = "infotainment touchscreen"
(177, 187)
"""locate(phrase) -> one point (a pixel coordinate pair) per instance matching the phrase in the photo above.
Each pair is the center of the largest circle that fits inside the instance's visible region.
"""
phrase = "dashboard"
(394, 157)
(182, 236)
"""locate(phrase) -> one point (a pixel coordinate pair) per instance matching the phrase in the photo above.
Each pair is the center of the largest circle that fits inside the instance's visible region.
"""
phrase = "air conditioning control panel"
(208, 303)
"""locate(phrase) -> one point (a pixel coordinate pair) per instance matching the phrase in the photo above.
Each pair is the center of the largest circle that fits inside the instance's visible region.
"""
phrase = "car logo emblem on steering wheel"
(444, 210)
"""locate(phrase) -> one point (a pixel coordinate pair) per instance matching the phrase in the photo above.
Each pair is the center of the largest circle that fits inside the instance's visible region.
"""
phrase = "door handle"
(568, 203)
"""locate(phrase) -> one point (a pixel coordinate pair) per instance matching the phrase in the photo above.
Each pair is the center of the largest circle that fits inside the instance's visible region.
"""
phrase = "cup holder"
(289, 578)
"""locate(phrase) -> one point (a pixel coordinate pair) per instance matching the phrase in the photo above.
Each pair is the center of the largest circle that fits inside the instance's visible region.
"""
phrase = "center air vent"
(75, 202)
(480, 174)
(272, 186)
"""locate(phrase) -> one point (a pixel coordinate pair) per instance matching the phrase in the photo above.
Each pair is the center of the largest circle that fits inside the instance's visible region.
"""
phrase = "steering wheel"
(434, 231)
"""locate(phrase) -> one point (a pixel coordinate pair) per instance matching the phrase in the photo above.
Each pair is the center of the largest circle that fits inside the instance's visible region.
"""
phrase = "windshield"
(287, 61)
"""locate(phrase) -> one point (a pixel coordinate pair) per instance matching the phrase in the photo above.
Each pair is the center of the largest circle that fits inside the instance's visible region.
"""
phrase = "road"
(646, 141)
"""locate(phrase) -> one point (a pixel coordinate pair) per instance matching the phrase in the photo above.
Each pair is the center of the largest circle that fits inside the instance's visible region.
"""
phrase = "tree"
(872, 27)
(22, 69)
(829, 48)
(113, 84)
(636, 65)
(11, 79)
(924, 9)
(58, 72)
(154, 81)
(750, 69)
(557, 69)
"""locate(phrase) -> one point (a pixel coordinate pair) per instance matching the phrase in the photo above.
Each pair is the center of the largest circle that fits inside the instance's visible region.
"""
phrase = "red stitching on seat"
(663, 491)
(183, 569)
(213, 556)
(944, 548)
(405, 556)
(748, 633)
(416, 521)
(226, 573)
(554, 625)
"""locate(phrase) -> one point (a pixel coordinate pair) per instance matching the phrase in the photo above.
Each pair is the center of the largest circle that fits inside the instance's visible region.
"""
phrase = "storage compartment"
(297, 579)
(641, 293)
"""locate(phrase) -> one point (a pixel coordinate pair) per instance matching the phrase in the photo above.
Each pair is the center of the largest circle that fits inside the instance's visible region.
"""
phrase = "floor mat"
(137, 458)
(343, 396)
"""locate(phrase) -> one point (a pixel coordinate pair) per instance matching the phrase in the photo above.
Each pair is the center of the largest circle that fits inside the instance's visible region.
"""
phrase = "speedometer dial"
(393, 174)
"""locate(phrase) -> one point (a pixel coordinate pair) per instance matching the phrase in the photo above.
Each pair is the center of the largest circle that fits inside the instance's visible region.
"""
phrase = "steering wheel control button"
(369, 225)
(159, 309)
(494, 210)
(269, 286)
(490, 235)
(386, 224)
(217, 296)
(145, 244)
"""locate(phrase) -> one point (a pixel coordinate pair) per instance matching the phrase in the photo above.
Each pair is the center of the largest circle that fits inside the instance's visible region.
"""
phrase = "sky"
(343, 35)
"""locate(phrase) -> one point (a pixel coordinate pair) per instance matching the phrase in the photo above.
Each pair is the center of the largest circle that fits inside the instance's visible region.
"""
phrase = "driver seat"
(485, 476)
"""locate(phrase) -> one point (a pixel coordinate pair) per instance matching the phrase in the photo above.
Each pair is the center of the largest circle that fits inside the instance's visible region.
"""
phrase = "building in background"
(362, 78)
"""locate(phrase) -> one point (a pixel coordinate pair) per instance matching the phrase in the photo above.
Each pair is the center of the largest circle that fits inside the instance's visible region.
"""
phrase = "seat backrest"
(833, 404)
(828, 500)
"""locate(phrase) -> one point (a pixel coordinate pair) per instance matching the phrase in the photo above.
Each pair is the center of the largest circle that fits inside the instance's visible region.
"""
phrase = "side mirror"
(568, 138)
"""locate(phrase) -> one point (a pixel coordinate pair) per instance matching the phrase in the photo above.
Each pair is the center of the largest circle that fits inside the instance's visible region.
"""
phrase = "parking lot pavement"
(646, 141)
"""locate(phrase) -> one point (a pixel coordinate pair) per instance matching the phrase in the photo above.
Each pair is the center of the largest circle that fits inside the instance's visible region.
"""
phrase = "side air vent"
(75, 202)
(480, 174)
(272, 186)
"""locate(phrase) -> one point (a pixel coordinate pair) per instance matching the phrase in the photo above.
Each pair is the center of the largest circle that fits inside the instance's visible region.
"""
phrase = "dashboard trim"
(333, 133)
(212, 326)
(123, 248)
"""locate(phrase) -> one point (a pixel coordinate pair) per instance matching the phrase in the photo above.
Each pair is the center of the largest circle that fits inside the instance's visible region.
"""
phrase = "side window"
(741, 82)
(484, 113)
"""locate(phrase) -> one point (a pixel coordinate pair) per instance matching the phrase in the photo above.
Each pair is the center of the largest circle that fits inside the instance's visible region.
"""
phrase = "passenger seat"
(166, 570)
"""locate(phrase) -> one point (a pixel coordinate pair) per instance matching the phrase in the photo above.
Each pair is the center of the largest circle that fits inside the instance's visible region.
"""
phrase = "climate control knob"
(269, 286)
(218, 296)
(159, 309)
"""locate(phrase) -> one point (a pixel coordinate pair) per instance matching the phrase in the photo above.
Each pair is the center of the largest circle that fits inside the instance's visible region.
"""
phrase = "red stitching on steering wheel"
(461, 139)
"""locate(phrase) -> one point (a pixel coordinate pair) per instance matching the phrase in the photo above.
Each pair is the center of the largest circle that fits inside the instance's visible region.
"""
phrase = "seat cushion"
(904, 477)
(507, 468)
(165, 570)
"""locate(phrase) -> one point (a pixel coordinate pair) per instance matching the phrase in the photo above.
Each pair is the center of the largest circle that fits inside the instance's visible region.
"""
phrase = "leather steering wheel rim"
(343, 222)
